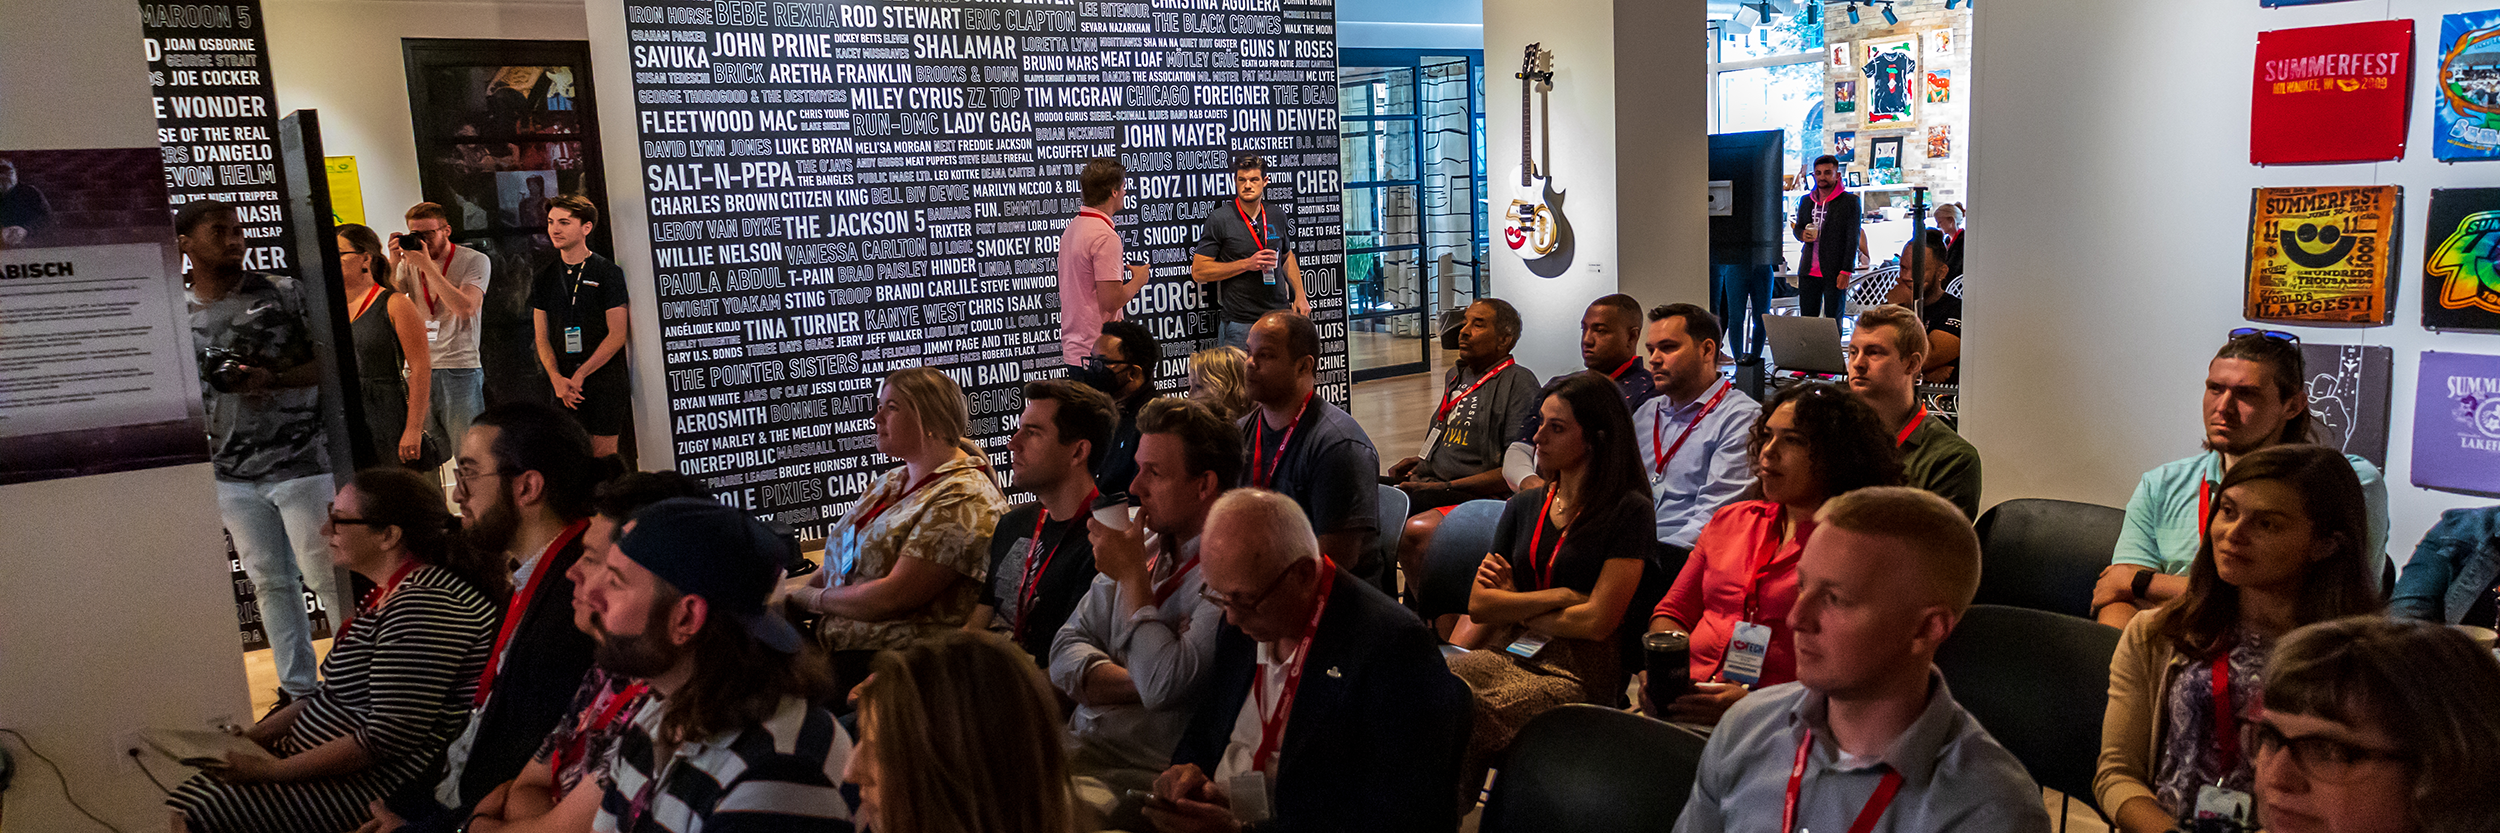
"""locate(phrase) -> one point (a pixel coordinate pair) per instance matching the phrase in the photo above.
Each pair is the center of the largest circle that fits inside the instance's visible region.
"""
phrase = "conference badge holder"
(1528, 644)
(572, 339)
(1250, 794)
(2219, 803)
(1745, 654)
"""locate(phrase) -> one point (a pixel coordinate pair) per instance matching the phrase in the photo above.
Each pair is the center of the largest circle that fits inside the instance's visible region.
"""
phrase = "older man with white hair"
(1328, 703)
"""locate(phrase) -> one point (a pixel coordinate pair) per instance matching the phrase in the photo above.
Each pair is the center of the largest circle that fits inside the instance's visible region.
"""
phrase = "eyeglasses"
(1246, 605)
(2277, 335)
(2319, 758)
(460, 478)
(1106, 362)
(339, 521)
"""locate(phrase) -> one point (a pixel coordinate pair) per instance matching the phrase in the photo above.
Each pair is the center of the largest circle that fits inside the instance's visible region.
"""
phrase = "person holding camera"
(447, 282)
(261, 386)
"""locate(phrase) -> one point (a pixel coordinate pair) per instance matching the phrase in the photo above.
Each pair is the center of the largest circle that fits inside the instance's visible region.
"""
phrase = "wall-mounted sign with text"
(2331, 93)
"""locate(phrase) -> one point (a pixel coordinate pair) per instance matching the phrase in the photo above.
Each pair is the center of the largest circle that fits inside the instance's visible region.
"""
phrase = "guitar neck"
(1527, 159)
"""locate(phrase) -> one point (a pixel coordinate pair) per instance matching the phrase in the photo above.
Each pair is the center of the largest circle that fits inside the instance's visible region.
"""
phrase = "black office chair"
(1393, 511)
(2045, 554)
(1588, 769)
(2039, 682)
(1450, 562)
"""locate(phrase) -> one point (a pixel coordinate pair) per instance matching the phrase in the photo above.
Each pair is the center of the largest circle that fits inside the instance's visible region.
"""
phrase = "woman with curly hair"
(1814, 442)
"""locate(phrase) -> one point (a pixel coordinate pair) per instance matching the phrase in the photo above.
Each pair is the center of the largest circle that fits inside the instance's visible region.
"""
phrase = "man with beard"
(731, 731)
(2256, 396)
(1308, 449)
(524, 480)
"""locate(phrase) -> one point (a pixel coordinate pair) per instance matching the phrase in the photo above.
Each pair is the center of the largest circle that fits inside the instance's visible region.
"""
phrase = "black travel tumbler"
(1669, 657)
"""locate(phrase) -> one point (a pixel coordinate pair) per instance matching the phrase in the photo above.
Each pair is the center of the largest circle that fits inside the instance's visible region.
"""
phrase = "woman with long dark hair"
(395, 687)
(1548, 603)
(1814, 442)
(394, 366)
(2283, 547)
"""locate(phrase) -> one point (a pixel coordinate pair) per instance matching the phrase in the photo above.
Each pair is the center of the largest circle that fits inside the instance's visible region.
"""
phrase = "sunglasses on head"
(2277, 335)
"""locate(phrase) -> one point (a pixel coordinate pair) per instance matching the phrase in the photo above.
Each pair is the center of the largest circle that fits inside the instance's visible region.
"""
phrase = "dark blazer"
(1377, 728)
(1838, 244)
(1953, 256)
(534, 686)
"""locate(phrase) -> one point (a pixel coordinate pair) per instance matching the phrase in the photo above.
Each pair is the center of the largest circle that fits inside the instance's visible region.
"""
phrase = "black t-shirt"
(1225, 238)
(580, 295)
(1944, 315)
(1067, 572)
(1623, 530)
(1330, 468)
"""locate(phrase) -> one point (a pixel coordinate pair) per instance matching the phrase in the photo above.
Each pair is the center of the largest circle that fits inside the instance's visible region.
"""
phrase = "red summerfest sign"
(2331, 93)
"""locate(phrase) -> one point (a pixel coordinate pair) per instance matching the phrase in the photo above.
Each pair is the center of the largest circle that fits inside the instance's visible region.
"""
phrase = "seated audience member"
(524, 480)
(959, 733)
(1869, 733)
(1134, 656)
(730, 739)
(1610, 342)
(1941, 313)
(1368, 739)
(1547, 607)
(1693, 433)
(1484, 399)
(907, 560)
(396, 682)
(2376, 725)
(578, 749)
(1123, 367)
(1039, 566)
(1814, 442)
(394, 370)
(1884, 356)
(1483, 402)
(1217, 380)
(1308, 449)
(2255, 397)
(2284, 550)
(2453, 578)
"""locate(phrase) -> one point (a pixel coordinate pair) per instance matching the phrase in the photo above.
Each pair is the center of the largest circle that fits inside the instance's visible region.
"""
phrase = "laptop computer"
(1806, 344)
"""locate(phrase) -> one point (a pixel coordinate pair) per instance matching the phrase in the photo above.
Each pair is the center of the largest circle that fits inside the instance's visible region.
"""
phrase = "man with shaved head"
(1328, 706)
(1868, 733)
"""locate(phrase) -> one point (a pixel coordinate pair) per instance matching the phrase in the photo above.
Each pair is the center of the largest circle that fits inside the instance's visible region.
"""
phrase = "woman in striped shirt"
(396, 684)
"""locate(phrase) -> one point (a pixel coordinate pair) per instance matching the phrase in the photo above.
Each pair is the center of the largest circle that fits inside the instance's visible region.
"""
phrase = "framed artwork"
(1939, 141)
(2460, 279)
(1940, 43)
(1855, 179)
(2322, 255)
(1840, 56)
(1844, 96)
(1887, 152)
(1939, 86)
(2466, 112)
(1891, 72)
(1845, 146)
(2456, 423)
(2331, 93)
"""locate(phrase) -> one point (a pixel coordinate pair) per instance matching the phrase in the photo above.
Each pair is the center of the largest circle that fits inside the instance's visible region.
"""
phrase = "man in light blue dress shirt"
(1694, 433)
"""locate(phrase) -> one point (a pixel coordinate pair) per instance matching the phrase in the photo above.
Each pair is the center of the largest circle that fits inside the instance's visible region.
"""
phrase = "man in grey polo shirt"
(1869, 725)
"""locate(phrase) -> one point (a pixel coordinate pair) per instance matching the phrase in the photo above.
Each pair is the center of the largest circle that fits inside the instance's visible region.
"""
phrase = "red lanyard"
(1258, 233)
(1105, 218)
(1172, 583)
(1765, 555)
(1913, 426)
(1875, 804)
(2226, 731)
(1272, 726)
(582, 733)
(520, 607)
(1448, 401)
(1033, 572)
(427, 292)
(373, 601)
(1262, 470)
(1627, 365)
(879, 509)
(366, 303)
(1657, 430)
(1563, 533)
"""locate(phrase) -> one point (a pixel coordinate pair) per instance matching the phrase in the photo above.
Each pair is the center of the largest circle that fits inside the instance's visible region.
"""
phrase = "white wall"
(2109, 209)
(343, 58)
(115, 611)
(630, 230)
(1628, 150)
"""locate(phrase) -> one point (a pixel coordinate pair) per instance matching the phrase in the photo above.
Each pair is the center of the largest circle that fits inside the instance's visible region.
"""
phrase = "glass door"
(1413, 201)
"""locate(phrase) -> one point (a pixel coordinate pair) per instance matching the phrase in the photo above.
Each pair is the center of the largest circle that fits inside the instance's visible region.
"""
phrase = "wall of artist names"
(837, 191)
(217, 118)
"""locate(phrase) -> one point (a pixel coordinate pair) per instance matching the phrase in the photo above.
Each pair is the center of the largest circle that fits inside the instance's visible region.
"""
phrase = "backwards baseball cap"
(721, 554)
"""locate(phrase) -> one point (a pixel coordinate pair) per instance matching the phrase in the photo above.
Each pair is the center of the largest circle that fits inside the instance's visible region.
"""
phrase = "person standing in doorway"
(1093, 283)
(1827, 222)
(448, 285)
(577, 308)
(1247, 252)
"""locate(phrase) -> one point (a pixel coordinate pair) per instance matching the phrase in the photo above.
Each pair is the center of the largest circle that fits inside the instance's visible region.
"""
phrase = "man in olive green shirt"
(1885, 353)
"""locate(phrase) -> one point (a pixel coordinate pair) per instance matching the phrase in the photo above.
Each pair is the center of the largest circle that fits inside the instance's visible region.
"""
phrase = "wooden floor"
(1396, 411)
(261, 669)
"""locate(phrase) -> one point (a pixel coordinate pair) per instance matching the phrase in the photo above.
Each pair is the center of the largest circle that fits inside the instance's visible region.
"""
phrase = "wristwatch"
(2143, 584)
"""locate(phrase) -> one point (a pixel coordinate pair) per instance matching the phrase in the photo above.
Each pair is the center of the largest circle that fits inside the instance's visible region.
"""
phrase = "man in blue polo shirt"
(2254, 398)
(1695, 435)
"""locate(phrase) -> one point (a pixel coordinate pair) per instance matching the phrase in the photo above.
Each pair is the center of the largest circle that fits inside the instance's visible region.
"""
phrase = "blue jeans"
(1732, 289)
(459, 396)
(1236, 334)
(277, 532)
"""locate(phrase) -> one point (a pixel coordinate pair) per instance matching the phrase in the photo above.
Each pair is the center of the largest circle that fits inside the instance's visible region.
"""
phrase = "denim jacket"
(2457, 559)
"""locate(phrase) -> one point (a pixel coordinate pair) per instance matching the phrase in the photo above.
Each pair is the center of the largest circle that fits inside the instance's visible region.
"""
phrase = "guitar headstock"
(1537, 67)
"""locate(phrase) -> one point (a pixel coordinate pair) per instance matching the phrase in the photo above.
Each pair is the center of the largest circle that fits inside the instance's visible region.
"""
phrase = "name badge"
(1528, 644)
(2218, 802)
(1432, 439)
(1249, 794)
(1267, 276)
(572, 339)
(1745, 653)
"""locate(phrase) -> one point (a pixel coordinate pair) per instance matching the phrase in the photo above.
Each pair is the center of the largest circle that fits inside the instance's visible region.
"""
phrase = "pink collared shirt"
(1089, 253)
(1709, 595)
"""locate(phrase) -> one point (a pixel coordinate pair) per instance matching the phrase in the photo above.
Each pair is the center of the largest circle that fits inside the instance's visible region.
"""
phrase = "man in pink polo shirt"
(1092, 288)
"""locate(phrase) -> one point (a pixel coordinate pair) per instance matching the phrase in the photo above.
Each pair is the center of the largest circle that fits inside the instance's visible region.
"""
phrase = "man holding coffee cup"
(1827, 223)
(1246, 250)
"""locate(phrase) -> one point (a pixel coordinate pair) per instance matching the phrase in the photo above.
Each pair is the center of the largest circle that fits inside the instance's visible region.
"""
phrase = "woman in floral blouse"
(907, 560)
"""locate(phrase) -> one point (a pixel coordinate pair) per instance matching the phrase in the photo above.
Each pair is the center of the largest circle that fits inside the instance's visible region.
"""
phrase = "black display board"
(837, 191)
(217, 119)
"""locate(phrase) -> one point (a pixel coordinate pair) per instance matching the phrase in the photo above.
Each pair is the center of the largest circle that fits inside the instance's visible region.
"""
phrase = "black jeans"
(1817, 296)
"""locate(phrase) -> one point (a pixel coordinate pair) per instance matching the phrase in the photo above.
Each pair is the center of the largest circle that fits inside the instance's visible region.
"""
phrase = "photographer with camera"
(447, 281)
(261, 389)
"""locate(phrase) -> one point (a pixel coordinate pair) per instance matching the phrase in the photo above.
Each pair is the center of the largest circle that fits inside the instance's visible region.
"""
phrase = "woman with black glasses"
(2378, 725)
